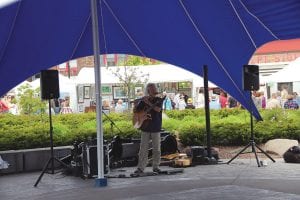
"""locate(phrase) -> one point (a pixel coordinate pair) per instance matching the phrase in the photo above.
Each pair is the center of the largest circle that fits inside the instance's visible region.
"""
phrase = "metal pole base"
(52, 159)
(100, 182)
(253, 145)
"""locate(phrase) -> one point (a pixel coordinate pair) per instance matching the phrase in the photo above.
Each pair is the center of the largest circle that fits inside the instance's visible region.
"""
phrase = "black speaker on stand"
(251, 83)
(250, 77)
(49, 90)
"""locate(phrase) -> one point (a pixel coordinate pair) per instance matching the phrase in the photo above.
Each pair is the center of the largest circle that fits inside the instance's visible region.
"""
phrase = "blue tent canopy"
(223, 34)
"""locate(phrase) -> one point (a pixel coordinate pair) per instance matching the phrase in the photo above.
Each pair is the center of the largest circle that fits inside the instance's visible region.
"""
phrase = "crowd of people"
(281, 99)
(179, 101)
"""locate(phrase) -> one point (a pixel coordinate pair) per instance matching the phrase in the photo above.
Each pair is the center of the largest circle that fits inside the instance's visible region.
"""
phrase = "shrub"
(228, 127)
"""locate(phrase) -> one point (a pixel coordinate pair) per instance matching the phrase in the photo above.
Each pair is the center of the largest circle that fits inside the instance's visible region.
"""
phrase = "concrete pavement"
(241, 179)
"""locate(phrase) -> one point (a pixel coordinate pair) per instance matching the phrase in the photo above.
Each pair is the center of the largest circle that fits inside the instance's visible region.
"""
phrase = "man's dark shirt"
(153, 124)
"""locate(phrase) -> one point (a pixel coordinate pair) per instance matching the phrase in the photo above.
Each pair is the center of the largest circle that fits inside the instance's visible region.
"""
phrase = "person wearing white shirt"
(273, 102)
(119, 107)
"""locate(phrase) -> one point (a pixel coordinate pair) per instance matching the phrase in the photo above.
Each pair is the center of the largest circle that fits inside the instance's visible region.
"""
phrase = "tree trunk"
(128, 97)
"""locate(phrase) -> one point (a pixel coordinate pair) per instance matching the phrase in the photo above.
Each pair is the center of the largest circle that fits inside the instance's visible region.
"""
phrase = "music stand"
(52, 158)
(252, 142)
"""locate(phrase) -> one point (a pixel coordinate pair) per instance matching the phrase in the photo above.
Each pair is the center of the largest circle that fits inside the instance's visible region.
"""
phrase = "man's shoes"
(138, 171)
(156, 170)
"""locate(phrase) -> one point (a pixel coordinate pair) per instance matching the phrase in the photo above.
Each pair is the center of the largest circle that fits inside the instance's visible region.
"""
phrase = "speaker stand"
(252, 142)
(52, 158)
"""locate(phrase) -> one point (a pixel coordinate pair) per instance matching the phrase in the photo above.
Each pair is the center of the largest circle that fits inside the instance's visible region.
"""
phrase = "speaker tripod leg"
(239, 153)
(254, 151)
(52, 159)
(44, 170)
(265, 153)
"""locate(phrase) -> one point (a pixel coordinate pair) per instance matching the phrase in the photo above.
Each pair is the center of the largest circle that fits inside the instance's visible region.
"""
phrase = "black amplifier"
(199, 154)
(89, 160)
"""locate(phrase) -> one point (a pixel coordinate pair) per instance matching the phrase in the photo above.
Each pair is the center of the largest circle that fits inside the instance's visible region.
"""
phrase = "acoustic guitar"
(140, 117)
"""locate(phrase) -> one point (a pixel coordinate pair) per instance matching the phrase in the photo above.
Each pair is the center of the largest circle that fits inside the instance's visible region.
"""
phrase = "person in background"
(119, 106)
(151, 128)
(181, 103)
(263, 100)
(176, 100)
(190, 104)
(13, 108)
(291, 103)
(4, 108)
(284, 92)
(214, 103)
(273, 102)
(232, 103)
(278, 94)
(106, 106)
(167, 103)
(296, 97)
(65, 106)
(223, 99)
(256, 99)
(185, 96)
(200, 101)
(55, 104)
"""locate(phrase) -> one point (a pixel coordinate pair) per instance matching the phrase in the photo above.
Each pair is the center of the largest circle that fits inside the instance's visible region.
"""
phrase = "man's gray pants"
(144, 146)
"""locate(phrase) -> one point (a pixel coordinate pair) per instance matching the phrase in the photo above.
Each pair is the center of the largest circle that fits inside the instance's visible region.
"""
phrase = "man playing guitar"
(151, 108)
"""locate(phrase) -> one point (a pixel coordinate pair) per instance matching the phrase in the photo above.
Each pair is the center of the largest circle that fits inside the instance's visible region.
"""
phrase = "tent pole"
(207, 113)
(100, 180)
(209, 159)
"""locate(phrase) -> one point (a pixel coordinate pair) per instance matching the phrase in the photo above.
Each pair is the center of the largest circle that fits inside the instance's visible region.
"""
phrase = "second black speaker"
(49, 84)
(250, 77)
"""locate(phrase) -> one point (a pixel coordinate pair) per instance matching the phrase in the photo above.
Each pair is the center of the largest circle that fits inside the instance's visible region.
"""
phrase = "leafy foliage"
(30, 101)
(136, 60)
(228, 127)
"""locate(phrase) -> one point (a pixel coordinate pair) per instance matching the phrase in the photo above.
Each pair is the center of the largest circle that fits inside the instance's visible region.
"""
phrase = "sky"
(6, 2)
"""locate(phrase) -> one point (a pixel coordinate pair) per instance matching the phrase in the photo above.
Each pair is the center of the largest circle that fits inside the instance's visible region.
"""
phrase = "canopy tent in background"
(290, 73)
(85, 74)
(39, 34)
(157, 74)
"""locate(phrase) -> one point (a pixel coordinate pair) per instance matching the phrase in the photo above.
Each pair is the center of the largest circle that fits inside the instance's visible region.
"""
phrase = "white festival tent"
(157, 74)
(290, 73)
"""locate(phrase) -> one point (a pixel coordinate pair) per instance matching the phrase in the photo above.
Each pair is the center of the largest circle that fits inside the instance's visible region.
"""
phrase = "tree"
(137, 60)
(130, 77)
(29, 100)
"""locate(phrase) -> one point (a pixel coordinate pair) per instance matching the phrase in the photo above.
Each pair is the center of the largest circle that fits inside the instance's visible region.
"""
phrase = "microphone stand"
(112, 123)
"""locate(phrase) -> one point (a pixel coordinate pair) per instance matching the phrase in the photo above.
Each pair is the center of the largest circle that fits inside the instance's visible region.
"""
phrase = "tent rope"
(84, 29)
(243, 24)
(255, 17)
(102, 25)
(10, 31)
(123, 28)
(211, 50)
(80, 36)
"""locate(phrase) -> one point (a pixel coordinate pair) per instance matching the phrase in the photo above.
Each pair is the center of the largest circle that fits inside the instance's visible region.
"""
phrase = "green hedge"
(228, 127)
